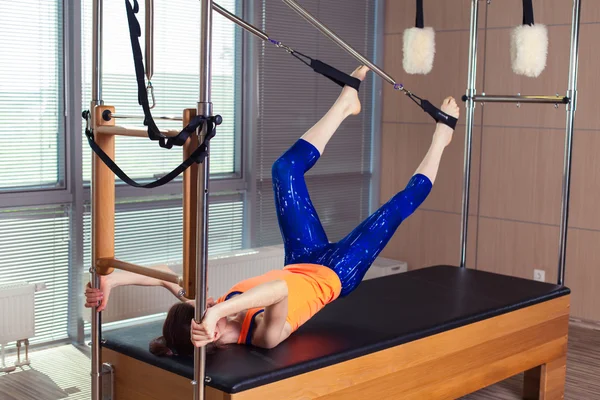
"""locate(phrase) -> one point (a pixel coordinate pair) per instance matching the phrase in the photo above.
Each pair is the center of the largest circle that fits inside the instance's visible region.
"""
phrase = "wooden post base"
(546, 382)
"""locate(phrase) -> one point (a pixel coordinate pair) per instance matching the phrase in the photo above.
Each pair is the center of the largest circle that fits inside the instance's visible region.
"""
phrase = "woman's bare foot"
(349, 96)
(443, 133)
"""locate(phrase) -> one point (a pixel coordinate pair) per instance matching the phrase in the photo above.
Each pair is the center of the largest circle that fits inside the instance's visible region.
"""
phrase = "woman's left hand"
(206, 331)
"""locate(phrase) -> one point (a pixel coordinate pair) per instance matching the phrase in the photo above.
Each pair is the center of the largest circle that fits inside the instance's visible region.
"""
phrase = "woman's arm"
(272, 296)
(125, 278)
(264, 295)
(99, 297)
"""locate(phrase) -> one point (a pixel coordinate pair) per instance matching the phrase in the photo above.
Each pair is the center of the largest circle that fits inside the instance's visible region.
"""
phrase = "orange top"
(310, 288)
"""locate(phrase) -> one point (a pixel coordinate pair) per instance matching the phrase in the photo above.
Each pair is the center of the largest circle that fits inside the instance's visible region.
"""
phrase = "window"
(339, 183)
(34, 247)
(175, 81)
(37, 173)
(31, 95)
(34, 241)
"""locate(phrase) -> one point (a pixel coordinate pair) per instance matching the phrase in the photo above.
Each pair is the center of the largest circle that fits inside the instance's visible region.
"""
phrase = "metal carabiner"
(151, 89)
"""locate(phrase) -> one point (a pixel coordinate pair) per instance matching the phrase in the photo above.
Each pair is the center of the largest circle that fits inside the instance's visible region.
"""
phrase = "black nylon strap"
(438, 115)
(334, 74)
(528, 12)
(435, 113)
(197, 156)
(419, 20)
(135, 31)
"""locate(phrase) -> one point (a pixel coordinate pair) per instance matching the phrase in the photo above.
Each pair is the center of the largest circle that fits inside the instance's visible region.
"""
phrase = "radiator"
(17, 311)
(224, 271)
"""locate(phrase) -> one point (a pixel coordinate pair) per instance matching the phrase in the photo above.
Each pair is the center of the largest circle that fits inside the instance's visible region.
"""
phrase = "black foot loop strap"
(197, 156)
(435, 113)
(135, 31)
(334, 74)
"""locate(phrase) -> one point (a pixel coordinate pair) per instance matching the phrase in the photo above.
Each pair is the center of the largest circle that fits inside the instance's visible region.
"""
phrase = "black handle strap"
(527, 12)
(335, 75)
(419, 20)
(331, 73)
(435, 113)
(438, 115)
(197, 156)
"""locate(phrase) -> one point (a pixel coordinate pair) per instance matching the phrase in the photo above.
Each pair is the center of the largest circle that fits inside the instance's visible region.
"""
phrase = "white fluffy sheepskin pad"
(529, 49)
(419, 50)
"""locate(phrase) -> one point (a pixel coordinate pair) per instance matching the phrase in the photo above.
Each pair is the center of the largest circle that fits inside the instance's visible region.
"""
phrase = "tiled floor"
(63, 370)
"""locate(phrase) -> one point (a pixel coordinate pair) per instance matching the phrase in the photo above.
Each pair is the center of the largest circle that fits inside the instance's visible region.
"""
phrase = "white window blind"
(293, 98)
(150, 233)
(31, 101)
(175, 81)
(34, 247)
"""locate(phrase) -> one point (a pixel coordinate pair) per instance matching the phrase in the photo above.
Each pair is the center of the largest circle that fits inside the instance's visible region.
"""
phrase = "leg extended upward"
(299, 223)
(360, 248)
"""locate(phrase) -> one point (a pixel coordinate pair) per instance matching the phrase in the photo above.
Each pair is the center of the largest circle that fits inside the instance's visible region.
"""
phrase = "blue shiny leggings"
(304, 238)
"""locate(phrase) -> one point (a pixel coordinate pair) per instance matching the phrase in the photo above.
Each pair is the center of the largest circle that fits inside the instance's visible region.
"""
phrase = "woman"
(265, 310)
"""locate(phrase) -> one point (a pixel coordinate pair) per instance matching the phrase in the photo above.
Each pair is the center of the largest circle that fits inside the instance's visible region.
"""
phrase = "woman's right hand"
(98, 297)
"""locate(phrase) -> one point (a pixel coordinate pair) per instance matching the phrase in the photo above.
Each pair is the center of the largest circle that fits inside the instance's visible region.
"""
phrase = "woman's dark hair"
(176, 332)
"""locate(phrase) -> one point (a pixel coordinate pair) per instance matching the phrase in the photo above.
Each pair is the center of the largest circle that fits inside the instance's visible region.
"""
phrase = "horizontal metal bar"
(519, 99)
(237, 20)
(133, 131)
(131, 116)
(336, 39)
(138, 269)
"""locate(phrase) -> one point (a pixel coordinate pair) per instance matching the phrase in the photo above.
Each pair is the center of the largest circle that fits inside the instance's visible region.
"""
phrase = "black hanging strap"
(527, 12)
(332, 73)
(435, 113)
(197, 156)
(419, 20)
(135, 31)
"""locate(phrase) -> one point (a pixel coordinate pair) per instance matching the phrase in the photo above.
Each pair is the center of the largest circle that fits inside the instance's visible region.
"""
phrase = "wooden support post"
(103, 192)
(546, 382)
(190, 199)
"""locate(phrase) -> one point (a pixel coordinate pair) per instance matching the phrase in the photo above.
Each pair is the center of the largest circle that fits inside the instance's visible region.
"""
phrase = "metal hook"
(280, 45)
(87, 115)
(151, 89)
(518, 104)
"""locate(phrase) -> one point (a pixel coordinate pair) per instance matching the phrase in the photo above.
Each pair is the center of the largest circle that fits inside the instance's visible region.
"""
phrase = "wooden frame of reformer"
(443, 366)
(446, 365)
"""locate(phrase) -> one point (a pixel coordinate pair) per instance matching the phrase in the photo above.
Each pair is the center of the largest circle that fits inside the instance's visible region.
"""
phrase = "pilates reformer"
(456, 330)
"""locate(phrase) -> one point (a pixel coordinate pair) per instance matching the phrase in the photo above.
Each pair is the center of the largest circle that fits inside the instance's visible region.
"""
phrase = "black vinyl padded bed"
(382, 313)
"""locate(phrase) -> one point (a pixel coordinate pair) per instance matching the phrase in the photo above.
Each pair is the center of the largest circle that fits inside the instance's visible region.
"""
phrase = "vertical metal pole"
(96, 101)
(470, 104)
(571, 108)
(204, 108)
(97, 52)
(149, 39)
